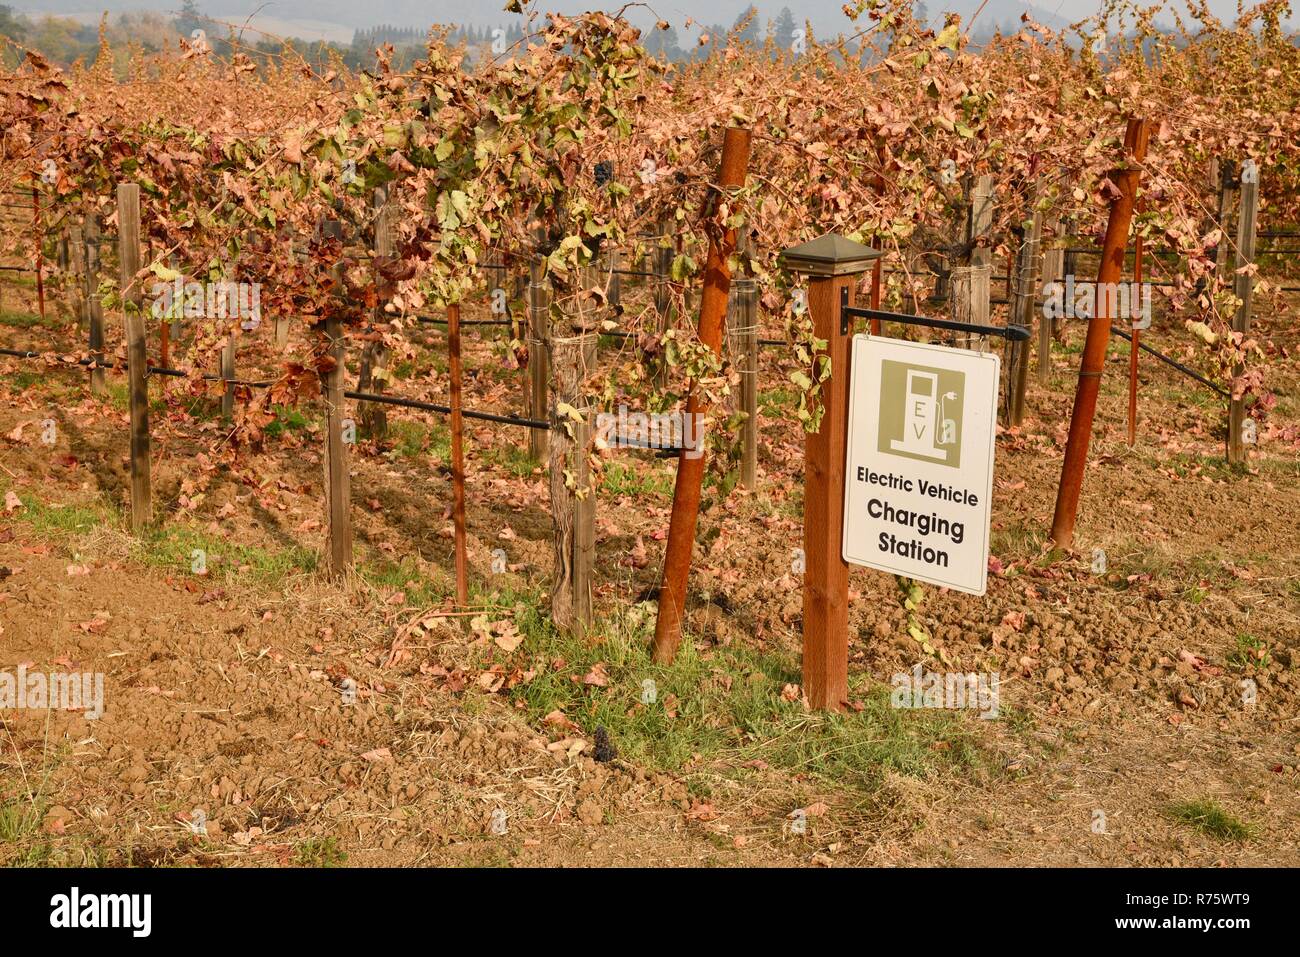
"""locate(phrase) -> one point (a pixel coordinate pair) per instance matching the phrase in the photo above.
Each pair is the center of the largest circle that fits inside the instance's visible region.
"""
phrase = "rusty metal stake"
(690, 464)
(1094, 349)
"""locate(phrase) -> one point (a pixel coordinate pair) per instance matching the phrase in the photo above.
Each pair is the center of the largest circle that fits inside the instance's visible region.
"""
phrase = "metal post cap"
(830, 255)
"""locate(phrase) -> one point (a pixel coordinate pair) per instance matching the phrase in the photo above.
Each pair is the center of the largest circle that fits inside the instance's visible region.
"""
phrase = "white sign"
(919, 474)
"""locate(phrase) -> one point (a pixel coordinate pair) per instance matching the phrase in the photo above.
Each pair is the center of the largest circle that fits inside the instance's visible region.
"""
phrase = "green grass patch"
(774, 400)
(287, 419)
(436, 358)
(1210, 818)
(1189, 392)
(63, 521)
(24, 378)
(1250, 651)
(726, 704)
(1018, 540)
(1135, 558)
(405, 576)
(21, 842)
(324, 852)
(181, 549)
(512, 458)
(118, 395)
(624, 479)
(26, 320)
(412, 439)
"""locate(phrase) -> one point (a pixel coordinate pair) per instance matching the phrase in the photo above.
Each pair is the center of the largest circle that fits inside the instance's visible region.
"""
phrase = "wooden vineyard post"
(1069, 267)
(742, 338)
(573, 500)
(1227, 186)
(519, 277)
(338, 483)
(164, 343)
(69, 239)
(165, 352)
(1053, 272)
(1134, 336)
(877, 284)
(539, 337)
(832, 264)
(970, 299)
(137, 361)
(1243, 288)
(661, 266)
(457, 455)
(488, 266)
(1111, 270)
(690, 467)
(970, 281)
(586, 315)
(878, 185)
(94, 306)
(39, 230)
(614, 291)
(76, 265)
(685, 288)
(227, 374)
(373, 374)
(749, 381)
(1021, 314)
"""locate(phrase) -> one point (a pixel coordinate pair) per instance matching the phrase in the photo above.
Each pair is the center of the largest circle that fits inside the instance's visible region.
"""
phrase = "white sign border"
(855, 369)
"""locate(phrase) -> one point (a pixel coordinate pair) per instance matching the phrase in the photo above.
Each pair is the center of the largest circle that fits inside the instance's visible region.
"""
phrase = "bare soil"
(1171, 677)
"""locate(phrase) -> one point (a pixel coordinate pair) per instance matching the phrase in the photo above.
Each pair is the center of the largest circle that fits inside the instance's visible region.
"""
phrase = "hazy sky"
(336, 19)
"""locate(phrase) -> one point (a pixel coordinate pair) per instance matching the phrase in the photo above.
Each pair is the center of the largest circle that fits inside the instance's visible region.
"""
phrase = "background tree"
(783, 30)
(663, 43)
(746, 27)
(10, 25)
(189, 19)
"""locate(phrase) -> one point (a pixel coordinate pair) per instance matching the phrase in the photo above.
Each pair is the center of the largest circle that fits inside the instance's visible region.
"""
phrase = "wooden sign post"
(832, 264)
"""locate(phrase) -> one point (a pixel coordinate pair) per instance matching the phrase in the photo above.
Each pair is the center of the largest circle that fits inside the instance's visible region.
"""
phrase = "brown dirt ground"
(1122, 693)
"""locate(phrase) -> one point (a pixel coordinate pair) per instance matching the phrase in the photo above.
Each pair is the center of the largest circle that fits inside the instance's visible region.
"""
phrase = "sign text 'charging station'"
(920, 461)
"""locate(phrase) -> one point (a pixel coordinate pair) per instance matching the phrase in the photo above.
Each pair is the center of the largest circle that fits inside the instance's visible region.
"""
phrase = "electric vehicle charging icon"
(926, 429)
